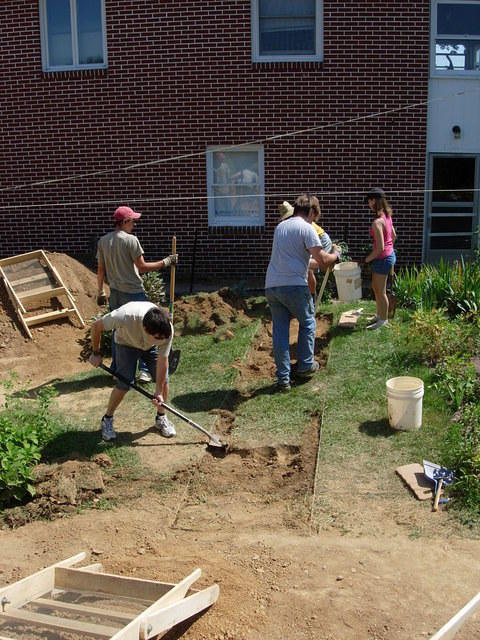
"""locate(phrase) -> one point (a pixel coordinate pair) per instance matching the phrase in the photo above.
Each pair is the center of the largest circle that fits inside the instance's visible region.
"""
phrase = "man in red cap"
(120, 263)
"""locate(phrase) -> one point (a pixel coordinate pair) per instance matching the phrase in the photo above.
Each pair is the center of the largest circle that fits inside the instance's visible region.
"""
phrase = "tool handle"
(126, 381)
(437, 495)
(172, 280)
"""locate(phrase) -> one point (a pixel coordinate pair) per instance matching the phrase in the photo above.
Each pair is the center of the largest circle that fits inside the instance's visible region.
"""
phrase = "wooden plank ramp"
(88, 602)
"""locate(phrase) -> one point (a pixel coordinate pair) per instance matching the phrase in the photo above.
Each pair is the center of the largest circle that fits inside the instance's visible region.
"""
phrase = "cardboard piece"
(349, 319)
(414, 477)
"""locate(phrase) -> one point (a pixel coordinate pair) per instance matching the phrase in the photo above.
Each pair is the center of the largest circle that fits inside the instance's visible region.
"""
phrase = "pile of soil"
(61, 488)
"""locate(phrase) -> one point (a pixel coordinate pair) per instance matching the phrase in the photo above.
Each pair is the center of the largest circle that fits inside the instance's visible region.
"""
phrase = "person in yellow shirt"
(286, 210)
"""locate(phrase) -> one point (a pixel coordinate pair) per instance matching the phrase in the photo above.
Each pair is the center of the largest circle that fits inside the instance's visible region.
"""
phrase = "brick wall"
(180, 78)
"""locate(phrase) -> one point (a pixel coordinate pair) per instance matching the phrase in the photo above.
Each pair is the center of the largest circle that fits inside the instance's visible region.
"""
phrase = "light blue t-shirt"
(290, 253)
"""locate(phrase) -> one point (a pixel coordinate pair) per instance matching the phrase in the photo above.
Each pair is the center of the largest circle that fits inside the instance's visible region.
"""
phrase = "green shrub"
(154, 286)
(25, 427)
(456, 378)
(462, 453)
(437, 336)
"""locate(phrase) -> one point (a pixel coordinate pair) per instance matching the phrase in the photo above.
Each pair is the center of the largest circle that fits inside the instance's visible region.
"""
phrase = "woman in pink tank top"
(382, 255)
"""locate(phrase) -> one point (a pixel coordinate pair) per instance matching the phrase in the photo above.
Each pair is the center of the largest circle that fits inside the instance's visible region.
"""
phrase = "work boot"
(107, 428)
(308, 373)
(166, 428)
(283, 387)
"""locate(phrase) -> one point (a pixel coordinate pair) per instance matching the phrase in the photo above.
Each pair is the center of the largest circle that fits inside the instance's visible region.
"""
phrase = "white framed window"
(455, 37)
(73, 34)
(287, 31)
(235, 186)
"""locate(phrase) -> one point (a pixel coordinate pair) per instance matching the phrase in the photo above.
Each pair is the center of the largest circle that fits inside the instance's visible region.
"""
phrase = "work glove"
(95, 359)
(102, 298)
(172, 259)
(337, 250)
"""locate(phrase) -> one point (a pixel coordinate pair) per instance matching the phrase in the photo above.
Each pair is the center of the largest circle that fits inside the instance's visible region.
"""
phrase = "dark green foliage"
(154, 286)
(462, 453)
(25, 427)
(453, 286)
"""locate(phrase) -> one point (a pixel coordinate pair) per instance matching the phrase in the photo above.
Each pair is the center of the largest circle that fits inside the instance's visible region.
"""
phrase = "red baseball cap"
(125, 213)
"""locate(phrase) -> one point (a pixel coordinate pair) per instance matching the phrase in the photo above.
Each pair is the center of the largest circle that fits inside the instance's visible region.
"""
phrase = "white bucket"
(404, 395)
(348, 280)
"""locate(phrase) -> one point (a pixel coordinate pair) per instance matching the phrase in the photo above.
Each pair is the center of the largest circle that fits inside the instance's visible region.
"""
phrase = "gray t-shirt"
(127, 321)
(290, 253)
(116, 252)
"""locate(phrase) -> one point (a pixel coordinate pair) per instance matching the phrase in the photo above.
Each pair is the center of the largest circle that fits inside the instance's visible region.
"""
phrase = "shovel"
(213, 440)
(174, 357)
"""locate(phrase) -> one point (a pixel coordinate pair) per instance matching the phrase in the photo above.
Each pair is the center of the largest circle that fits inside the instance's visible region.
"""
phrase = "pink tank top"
(387, 237)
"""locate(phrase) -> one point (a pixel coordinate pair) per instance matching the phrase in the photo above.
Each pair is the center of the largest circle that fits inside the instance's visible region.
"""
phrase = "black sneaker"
(308, 373)
(283, 387)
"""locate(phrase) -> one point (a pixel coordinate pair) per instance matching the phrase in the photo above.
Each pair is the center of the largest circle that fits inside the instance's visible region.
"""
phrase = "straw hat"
(285, 210)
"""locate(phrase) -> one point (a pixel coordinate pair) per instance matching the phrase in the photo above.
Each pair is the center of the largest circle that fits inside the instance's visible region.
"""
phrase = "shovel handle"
(437, 495)
(172, 279)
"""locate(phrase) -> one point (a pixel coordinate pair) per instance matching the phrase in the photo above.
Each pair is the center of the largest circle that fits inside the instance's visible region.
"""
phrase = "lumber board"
(82, 609)
(13, 296)
(96, 566)
(29, 279)
(449, 630)
(171, 615)
(22, 257)
(63, 624)
(42, 293)
(49, 315)
(35, 585)
(107, 583)
(174, 595)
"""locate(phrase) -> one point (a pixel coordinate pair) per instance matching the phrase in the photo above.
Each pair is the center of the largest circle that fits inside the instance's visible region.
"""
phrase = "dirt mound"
(206, 312)
(59, 489)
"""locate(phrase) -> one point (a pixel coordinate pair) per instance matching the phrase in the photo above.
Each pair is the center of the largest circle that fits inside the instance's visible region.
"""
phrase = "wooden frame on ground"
(90, 603)
(30, 278)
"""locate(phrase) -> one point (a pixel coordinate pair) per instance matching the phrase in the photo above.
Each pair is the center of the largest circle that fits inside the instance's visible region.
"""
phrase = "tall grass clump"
(454, 286)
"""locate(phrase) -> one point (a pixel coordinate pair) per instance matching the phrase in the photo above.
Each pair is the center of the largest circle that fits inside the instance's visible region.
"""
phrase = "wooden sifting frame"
(31, 278)
(93, 604)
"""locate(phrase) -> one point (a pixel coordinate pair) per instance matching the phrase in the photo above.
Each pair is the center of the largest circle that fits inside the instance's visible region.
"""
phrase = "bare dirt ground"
(358, 562)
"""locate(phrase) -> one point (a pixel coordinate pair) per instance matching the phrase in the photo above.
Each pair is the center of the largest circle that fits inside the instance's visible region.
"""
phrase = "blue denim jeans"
(287, 303)
(118, 299)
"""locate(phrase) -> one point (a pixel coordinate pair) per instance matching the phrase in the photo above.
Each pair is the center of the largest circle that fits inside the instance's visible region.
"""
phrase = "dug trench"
(245, 520)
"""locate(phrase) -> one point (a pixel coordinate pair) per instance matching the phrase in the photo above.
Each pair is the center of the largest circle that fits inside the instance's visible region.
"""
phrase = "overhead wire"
(227, 148)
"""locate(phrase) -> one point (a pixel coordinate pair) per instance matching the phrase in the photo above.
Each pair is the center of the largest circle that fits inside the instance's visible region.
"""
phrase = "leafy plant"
(453, 286)
(462, 453)
(154, 286)
(457, 379)
(345, 257)
(105, 339)
(25, 427)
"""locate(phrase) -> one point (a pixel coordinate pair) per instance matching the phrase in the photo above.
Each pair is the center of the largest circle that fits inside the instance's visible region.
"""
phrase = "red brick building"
(318, 89)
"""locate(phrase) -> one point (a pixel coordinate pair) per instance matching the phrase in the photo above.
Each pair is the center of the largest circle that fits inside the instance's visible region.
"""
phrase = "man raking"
(142, 330)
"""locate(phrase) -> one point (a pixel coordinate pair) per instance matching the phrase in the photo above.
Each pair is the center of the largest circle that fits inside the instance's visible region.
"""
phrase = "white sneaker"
(378, 324)
(144, 376)
(165, 427)
(107, 429)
